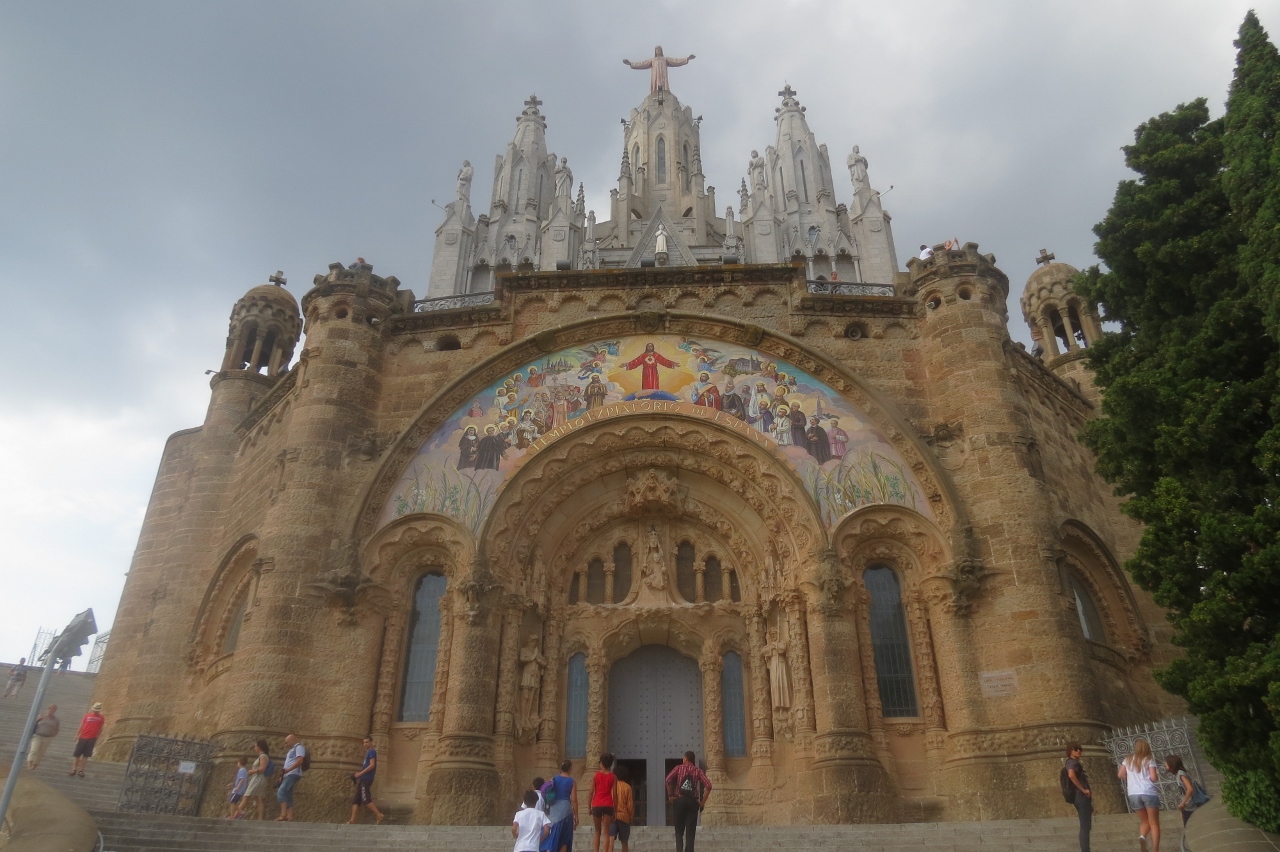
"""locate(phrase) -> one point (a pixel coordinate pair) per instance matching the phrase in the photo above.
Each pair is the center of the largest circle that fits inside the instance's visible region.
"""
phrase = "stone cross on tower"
(1045, 258)
(788, 92)
(531, 105)
(278, 279)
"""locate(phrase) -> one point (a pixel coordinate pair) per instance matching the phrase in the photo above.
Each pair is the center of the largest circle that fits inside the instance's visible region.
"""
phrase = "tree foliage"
(1191, 405)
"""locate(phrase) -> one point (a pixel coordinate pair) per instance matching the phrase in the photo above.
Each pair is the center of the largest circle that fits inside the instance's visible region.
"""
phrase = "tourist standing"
(86, 739)
(364, 784)
(602, 804)
(1138, 771)
(260, 772)
(624, 808)
(687, 790)
(293, 768)
(561, 793)
(17, 677)
(238, 785)
(1189, 802)
(1084, 795)
(47, 727)
(530, 826)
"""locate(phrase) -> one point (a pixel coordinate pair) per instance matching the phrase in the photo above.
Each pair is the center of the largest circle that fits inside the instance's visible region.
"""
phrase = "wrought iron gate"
(1166, 737)
(166, 775)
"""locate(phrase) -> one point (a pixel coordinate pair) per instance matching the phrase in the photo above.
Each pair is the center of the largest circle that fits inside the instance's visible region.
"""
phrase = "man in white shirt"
(531, 826)
(925, 252)
(292, 775)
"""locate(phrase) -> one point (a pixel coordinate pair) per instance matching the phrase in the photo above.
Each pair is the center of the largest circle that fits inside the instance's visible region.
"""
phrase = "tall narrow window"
(575, 719)
(735, 721)
(424, 649)
(804, 181)
(1087, 611)
(232, 638)
(713, 580)
(891, 648)
(595, 581)
(635, 164)
(684, 159)
(621, 571)
(686, 582)
(660, 168)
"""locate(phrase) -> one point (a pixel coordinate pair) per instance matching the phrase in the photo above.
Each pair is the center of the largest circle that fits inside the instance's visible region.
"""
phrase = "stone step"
(145, 833)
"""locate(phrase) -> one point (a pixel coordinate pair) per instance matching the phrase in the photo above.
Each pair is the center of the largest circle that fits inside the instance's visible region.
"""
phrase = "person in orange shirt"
(624, 808)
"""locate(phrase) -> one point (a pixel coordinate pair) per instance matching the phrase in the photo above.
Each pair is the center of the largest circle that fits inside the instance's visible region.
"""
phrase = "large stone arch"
(937, 490)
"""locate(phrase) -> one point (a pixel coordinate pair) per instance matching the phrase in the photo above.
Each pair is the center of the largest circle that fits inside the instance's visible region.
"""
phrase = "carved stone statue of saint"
(564, 179)
(775, 651)
(464, 182)
(531, 664)
(538, 579)
(654, 570)
(658, 66)
(857, 167)
(660, 244)
(757, 170)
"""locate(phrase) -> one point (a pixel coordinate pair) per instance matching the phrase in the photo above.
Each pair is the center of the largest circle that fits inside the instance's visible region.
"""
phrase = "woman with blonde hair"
(1138, 771)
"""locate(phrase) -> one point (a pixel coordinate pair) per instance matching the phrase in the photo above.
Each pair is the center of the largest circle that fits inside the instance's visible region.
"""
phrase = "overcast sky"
(157, 159)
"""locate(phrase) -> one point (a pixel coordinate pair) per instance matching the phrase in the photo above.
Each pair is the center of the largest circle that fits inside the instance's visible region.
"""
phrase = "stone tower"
(1062, 324)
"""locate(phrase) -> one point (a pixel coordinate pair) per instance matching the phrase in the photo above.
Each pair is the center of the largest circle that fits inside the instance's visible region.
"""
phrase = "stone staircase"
(72, 692)
(99, 791)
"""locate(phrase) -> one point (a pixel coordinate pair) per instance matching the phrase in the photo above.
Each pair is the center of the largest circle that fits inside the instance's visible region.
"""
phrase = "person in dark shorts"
(602, 804)
(86, 739)
(624, 808)
(1084, 795)
(364, 784)
(687, 790)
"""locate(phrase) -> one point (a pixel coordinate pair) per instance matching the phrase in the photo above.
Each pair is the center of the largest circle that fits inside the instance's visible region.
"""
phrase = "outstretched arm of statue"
(676, 63)
(639, 66)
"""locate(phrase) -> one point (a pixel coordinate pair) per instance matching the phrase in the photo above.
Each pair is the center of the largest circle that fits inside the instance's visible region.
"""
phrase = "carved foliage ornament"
(344, 585)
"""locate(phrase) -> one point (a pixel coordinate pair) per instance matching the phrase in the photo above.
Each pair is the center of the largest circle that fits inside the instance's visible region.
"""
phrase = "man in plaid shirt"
(687, 790)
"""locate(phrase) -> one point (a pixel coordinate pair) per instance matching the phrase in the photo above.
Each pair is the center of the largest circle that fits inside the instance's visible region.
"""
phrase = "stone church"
(689, 477)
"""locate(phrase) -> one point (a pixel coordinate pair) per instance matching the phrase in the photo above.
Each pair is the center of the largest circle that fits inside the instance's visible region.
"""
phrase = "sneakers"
(1143, 843)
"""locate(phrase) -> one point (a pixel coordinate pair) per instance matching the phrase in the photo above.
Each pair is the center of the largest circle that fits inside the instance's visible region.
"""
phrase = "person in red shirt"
(687, 790)
(602, 803)
(90, 728)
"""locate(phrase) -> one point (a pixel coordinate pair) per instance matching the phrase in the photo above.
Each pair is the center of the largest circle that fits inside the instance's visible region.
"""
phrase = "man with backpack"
(687, 790)
(296, 761)
(1075, 790)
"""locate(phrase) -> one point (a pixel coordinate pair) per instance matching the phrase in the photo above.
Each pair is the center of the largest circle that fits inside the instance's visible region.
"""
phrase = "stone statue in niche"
(464, 182)
(654, 570)
(775, 651)
(537, 590)
(857, 167)
(757, 170)
(531, 665)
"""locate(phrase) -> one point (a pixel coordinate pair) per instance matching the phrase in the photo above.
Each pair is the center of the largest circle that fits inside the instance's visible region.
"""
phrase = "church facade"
(673, 480)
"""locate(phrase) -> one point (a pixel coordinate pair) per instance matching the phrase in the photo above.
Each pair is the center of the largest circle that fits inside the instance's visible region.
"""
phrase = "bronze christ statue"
(658, 66)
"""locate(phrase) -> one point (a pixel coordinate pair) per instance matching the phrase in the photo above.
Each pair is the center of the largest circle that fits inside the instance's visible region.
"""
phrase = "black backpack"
(1068, 787)
(306, 760)
(688, 788)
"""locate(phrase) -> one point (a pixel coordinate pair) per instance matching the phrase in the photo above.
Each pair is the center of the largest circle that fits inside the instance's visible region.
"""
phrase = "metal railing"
(840, 288)
(1166, 737)
(448, 303)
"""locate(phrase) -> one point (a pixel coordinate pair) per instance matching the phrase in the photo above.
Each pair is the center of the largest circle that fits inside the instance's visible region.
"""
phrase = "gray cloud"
(162, 158)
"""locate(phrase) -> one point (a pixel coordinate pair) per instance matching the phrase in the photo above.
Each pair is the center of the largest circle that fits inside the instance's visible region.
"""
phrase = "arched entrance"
(655, 716)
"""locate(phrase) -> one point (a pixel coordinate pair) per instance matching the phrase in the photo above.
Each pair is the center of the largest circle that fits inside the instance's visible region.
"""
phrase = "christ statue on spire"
(658, 66)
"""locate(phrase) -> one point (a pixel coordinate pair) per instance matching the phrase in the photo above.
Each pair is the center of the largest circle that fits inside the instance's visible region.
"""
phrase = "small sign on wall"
(186, 767)
(995, 684)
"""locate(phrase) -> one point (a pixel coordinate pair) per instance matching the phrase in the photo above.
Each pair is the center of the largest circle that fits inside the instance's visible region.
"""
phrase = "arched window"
(621, 571)
(635, 164)
(684, 159)
(595, 580)
(424, 648)
(713, 580)
(889, 642)
(1087, 611)
(575, 717)
(735, 721)
(804, 181)
(660, 169)
(232, 638)
(686, 582)
(735, 592)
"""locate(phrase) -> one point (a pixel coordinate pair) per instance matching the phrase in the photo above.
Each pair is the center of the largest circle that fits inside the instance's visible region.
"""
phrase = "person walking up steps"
(364, 784)
(1138, 771)
(624, 808)
(238, 785)
(561, 794)
(17, 677)
(260, 772)
(295, 763)
(530, 826)
(687, 790)
(602, 804)
(86, 738)
(47, 727)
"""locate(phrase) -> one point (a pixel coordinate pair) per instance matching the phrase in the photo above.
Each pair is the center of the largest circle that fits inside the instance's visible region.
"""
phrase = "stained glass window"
(575, 723)
(424, 648)
(889, 642)
(735, 722)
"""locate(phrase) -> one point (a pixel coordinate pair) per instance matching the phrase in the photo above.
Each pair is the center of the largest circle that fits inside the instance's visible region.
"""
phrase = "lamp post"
(67, 644)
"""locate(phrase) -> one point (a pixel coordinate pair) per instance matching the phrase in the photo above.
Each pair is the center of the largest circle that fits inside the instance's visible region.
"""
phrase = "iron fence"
(166, 775)
(1166, 737)
(839, 288)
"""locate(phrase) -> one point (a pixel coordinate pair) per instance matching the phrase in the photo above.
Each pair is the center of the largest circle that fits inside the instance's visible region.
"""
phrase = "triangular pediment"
(678, 253)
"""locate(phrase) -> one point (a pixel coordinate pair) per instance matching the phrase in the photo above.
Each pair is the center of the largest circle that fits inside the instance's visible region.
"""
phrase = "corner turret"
(1062, 324)
(265, 326)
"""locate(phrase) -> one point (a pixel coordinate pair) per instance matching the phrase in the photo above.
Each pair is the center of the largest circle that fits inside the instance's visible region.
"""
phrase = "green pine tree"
(1191, 408)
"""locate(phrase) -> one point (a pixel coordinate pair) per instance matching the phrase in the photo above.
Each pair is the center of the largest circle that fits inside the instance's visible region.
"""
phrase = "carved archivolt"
(1092, 563)
(232, 583)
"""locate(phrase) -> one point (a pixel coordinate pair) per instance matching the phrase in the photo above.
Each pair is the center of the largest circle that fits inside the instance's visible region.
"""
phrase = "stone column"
(392, 641)
(1050, 337)
(761, 705)
(504, 729)
(1072, 346)
(609, 569)
(935, 723)
(463, 787)
(798, 658)
(597, 705)
(548, 748)
(713, 715)
(257, 350)
(700, 583)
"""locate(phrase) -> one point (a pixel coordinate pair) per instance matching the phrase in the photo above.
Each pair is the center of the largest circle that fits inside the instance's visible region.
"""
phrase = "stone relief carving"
(531, 665)
(345, 585)
(652, 491)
